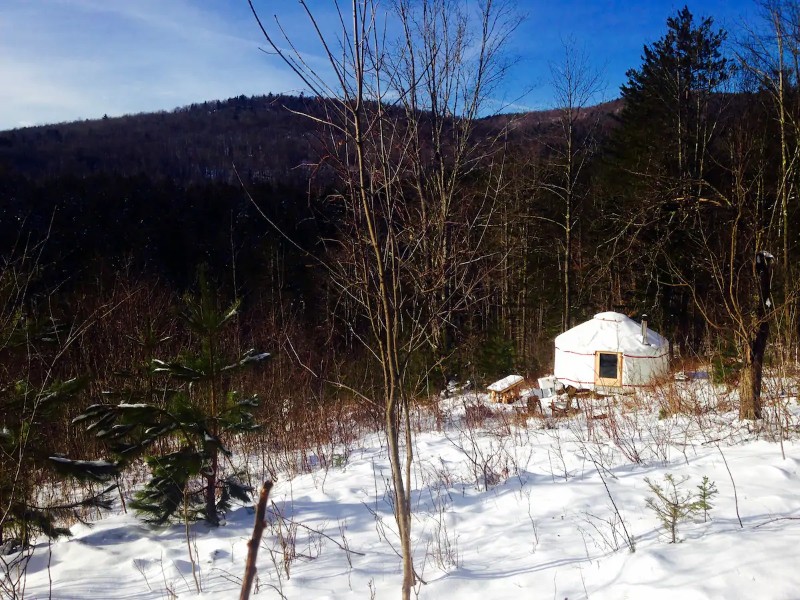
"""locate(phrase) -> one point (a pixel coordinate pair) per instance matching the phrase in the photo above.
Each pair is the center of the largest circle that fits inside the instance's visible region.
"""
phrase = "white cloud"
(64, 60)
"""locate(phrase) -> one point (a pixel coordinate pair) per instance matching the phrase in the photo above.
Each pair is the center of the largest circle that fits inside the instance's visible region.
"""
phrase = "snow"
(505, 383)
(511, 508)
(613, 332)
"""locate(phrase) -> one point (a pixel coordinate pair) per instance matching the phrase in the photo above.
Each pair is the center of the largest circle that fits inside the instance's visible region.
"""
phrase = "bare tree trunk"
(211, 478)
(750, 385)
(569, 193)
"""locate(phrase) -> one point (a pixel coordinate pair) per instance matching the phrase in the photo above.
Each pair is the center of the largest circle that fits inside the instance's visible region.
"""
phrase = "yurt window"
(608, 368)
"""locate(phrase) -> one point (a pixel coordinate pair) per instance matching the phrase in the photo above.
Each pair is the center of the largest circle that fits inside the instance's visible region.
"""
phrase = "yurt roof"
(611, 331)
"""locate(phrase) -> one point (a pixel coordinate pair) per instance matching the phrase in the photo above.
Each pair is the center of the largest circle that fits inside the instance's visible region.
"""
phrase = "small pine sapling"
(182, 431)
(705, 493)
(671, 504)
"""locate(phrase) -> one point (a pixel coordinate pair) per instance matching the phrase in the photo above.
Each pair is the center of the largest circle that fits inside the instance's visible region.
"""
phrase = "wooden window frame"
(608, 381)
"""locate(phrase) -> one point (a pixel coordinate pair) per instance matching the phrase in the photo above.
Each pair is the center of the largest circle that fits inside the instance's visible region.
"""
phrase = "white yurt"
(610, 350)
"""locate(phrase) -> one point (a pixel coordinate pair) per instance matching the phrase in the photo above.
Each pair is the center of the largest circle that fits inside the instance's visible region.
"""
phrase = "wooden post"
(252, 545)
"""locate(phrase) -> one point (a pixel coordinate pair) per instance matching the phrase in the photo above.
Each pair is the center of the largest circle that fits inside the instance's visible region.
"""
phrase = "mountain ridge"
(264, 138)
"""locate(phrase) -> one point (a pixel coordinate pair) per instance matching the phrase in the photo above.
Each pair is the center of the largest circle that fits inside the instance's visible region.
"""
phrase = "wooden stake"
(252, 545)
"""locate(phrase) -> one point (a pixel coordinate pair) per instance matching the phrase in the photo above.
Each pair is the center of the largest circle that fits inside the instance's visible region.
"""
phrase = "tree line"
(656, 203)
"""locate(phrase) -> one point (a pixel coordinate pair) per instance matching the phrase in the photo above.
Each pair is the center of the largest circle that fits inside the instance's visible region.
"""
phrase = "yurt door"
(608, 368)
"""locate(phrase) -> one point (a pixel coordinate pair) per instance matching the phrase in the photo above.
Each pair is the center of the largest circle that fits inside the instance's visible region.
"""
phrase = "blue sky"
(62, 60)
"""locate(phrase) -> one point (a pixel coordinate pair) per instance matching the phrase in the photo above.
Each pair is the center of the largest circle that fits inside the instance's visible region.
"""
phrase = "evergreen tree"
(182, 430)
(31, 402)
(669, 119)
(705, 494)
(664, 174)
(27, 452)
(671, 504)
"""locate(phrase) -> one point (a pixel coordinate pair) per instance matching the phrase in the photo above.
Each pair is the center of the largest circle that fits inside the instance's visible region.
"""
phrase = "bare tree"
(447, 67)
(732, 273)
(396, 122)
(575, 84)
(772, 59)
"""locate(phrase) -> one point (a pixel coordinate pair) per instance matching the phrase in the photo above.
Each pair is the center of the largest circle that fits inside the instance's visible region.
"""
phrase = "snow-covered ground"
(504, 508)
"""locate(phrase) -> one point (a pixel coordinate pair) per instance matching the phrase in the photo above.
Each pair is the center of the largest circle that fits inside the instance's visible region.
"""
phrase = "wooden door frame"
(607, 381)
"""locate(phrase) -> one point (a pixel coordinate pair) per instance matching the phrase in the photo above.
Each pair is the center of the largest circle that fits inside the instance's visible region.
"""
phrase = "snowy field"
(504, 507)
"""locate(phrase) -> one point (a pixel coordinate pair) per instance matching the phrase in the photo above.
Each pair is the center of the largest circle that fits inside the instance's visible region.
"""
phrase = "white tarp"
(642, 360)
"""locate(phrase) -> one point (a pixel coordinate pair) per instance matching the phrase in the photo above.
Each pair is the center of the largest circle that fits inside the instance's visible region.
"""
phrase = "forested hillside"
(160, 194)
(599, 207)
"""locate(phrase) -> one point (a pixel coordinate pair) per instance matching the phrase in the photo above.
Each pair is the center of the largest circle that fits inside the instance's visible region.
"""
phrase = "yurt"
(610, 350)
